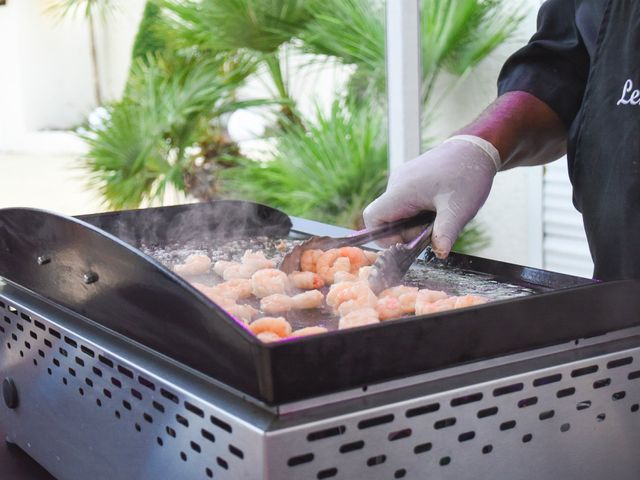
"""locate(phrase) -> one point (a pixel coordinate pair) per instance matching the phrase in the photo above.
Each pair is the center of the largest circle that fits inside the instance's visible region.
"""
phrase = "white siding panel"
(565, 247)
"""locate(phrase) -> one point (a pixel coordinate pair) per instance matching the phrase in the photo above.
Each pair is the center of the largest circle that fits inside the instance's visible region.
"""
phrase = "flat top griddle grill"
(90, 266)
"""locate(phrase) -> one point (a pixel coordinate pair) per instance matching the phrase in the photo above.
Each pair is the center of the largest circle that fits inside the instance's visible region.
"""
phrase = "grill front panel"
(86, 412)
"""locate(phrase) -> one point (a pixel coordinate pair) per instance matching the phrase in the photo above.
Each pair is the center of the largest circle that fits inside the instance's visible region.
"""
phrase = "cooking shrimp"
(331, 262)
(469, 301)
(356, 257)
(365, 272)
(353, 296)
(268, 337)
(306, 280)
(244, 312)
(309, 259)
(340, 277)
(307, 300)
(305, 332)
(438, 306)
(389, 307)
(235, 288)
(358, 318)
(193, 265)
(277, 325)
(406, 297)
(276, 303)
(425, 299)
(256, 261)
(237, 271)
(269, 281)
(221, 265)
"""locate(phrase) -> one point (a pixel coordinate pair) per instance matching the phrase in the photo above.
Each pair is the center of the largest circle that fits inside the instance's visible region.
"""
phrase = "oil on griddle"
(425, 275)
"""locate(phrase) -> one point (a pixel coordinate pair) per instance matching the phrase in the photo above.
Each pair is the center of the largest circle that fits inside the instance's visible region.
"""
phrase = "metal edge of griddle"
(478, 371)
(451, 379)
(491, 330)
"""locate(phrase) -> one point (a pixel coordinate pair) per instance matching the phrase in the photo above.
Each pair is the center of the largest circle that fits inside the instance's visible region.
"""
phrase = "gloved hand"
(453, 179)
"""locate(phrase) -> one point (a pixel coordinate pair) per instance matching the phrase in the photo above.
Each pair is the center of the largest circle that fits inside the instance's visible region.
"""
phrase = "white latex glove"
(453, 179)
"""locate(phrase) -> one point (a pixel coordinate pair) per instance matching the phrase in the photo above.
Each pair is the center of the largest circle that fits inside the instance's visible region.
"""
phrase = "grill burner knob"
(9, 393)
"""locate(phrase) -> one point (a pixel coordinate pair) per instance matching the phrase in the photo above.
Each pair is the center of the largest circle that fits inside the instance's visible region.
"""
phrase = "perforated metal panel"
(92, 406)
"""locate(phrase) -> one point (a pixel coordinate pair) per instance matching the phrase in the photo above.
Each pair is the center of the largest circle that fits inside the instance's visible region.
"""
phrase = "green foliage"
(149, 39)
(328, 172)
(259, 25)
(86, 8)
(143, 145)
(193, 55)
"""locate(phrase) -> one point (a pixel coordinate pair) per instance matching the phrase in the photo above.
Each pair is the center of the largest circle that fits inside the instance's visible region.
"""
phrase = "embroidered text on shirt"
(633, 98)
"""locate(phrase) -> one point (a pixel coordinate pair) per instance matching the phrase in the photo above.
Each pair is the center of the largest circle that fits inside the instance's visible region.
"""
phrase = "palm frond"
(329, 172)
(229, 25)
(87, 8)
(142, 147)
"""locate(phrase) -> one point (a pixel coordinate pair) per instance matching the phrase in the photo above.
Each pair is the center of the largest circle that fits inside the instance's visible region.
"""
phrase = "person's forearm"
(524, 129)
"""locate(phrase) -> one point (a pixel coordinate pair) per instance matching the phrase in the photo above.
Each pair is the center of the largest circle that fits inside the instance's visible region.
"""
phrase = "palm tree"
(251, 37)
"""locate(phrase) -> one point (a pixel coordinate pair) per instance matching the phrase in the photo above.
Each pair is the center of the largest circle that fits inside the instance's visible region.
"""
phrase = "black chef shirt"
(584, 62)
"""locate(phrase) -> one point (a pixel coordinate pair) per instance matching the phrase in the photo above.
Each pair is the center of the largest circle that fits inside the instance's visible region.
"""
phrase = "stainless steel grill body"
(94, 405)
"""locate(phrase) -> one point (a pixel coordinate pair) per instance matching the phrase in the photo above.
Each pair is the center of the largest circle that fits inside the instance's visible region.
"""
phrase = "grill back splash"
(135, 375)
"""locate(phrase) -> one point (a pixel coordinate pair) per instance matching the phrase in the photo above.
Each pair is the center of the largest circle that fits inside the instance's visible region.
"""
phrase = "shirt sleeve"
(554, 65)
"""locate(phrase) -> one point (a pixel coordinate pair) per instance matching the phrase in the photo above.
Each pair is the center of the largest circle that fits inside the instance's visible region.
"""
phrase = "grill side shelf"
(91, 272)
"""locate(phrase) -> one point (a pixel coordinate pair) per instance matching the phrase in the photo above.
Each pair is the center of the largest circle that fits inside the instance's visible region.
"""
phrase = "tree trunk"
(94, 60)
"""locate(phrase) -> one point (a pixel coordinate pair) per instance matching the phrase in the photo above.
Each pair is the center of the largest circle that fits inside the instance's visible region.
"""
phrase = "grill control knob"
(10, 393)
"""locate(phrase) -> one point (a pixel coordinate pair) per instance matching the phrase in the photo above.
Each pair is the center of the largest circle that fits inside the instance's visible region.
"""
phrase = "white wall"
(46, 76)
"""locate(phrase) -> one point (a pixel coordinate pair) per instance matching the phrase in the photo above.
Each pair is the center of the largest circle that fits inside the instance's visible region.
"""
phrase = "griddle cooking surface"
(433, 275)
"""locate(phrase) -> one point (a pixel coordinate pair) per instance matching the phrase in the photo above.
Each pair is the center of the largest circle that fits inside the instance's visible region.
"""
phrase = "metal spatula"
(291, 260)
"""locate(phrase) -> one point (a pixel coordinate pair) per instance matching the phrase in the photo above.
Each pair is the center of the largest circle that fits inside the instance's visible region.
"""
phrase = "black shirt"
(584, 62)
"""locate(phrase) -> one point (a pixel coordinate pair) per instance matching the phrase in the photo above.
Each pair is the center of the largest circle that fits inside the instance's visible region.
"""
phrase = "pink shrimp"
(309, 259)
(276, 303)
(306, 280)
(356, 257)
(277, 325)
(237, 271)
(307, 300)
(441, 305)
(357, 296)
(469, 301)
(340, 277)
(305, 332)
(406, 297)
(221, 265)
(269, 281)
(357, 318)
(235, 288)
(193, 265)
(254, 261)
(268, 337)
(425, 299)
(243, 312)
(331, 262)
(389, 307)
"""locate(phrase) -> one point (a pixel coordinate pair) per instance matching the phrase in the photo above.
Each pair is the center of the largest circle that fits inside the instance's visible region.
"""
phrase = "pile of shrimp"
(341, 272)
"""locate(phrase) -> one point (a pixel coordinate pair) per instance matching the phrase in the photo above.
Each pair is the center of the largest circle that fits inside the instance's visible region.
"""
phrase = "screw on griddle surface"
(43, 259)
(90, 277)
(10, 393)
